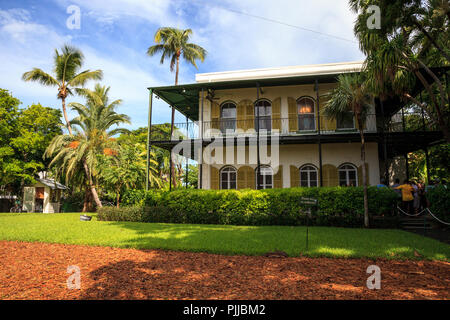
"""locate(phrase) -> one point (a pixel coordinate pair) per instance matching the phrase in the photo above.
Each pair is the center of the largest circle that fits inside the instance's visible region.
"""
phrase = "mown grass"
(242, 240)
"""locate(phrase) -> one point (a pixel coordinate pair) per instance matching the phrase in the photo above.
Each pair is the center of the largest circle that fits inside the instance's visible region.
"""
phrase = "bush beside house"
(337, 206)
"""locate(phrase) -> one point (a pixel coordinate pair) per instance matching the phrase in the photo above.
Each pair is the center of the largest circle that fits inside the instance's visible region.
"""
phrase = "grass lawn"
(323, 241)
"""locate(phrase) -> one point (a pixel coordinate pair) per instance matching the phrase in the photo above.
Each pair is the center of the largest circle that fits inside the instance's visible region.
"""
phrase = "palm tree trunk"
(364, 176)
(91, 185)
(65, 115)
(172, 167)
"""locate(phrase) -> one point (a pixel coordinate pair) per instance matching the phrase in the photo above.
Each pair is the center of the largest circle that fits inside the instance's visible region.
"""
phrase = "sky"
(114, 36)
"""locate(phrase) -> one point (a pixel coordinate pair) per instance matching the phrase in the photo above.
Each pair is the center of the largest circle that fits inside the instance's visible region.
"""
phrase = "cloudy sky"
(114, 36)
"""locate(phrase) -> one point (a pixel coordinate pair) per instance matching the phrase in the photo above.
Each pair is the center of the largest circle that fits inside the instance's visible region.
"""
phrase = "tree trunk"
(364, 176)
(91, 185)
(65, 115)
(172, 167)
(117, 199)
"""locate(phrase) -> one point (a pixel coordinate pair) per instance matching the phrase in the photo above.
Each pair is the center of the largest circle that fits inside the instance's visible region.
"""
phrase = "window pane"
(345, 121)
(313, 176)
(224, 185)
(306, 122)
(233, 185)
(304, 179)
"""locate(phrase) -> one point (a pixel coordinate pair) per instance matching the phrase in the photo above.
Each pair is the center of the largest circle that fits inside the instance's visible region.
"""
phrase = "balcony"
(269, 126)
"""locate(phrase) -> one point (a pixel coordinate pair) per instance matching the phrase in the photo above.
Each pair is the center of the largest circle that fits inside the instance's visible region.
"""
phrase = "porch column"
(257, 138)
(149, 132)
(187, 159)
(201, 128)
(316, 87)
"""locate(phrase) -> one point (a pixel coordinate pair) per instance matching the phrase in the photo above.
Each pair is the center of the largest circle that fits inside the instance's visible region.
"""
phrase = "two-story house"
(265, 128)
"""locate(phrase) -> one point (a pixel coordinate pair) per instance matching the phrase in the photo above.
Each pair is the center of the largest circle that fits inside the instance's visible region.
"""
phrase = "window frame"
(264, 185)
(311, 113)
(347, 170)
(223, 119)
(228, 177)
(267, 118)
(303, 168)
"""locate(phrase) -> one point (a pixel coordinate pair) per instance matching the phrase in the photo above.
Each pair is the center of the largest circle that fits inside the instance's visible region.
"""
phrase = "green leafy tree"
(353, 96)
(66, 66)
(413, 39)
(93, 136)
(174, 43)
(24, 136)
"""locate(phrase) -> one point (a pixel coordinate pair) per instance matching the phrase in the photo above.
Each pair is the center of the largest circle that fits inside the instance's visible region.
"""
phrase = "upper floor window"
(306, 114)
(348, 175)
(308, 176)
(264, 177)
(345, 121)
(264, 108)
(228, 117)
(228, 178)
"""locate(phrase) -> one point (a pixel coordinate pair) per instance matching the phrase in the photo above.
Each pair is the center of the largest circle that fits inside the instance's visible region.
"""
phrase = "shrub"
(107, 213)
(337, 206)
(439, 198)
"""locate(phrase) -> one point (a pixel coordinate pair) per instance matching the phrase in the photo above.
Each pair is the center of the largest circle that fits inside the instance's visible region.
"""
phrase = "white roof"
(270, 73)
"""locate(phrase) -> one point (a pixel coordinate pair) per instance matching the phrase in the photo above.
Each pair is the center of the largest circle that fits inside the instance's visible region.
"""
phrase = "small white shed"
(44, 196)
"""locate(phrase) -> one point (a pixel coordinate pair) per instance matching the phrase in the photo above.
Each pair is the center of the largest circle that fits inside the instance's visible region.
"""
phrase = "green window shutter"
(249, 115)
(276, 114)
(330, 175)
(240, 115)
(250, 181)
(292, 113)
(214, 172)
(295, 176)
(360, 181)
(241, 178)
(278, 178)
(215, 115)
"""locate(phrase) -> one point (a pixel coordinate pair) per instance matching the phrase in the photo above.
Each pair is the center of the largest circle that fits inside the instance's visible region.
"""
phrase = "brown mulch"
(39, 271)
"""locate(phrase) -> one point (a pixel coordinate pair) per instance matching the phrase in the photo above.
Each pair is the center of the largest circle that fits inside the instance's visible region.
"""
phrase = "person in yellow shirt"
(407, 196)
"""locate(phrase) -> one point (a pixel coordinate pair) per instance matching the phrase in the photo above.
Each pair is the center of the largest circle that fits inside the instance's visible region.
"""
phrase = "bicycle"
(16, 209)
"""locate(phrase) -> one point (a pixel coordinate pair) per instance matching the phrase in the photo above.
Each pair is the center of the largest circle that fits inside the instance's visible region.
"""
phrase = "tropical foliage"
(352, 95)
(66, 75)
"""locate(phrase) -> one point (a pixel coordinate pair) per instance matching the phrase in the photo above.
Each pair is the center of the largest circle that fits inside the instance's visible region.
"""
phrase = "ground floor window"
(228, 178)
(264, 177)
(348, 175)
(308, 176)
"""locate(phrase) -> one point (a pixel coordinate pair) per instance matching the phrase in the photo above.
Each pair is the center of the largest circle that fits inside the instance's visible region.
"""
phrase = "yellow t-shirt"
(407, 192)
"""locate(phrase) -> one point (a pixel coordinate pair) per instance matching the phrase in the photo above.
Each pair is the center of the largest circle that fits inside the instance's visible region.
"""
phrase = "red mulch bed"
(39, 271)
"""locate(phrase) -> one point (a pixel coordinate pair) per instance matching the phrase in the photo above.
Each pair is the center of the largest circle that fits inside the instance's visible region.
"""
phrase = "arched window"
(264, 177)
(228, 117)
(306, 114)
(348, 175)
(228, 178)
(264, 107)
(308, 176)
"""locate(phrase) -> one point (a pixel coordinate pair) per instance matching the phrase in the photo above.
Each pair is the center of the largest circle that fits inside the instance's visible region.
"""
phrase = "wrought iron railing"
(290, 126)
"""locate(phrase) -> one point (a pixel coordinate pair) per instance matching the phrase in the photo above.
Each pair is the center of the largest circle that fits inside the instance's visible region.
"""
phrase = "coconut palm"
(352, 96)
(93, 136)
(173, 43)
(66, 66)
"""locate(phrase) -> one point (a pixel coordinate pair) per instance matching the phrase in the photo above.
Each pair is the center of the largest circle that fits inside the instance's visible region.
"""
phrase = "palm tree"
(353, 96)
(173, 43)
(93, 136)
(66, 66)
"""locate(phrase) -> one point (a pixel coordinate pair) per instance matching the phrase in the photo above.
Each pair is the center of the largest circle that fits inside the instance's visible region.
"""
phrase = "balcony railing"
(288, 127)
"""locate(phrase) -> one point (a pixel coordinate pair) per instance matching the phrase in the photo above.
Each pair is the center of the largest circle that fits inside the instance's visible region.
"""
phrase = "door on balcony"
(228, 117)
(306, 114)
(264, 107)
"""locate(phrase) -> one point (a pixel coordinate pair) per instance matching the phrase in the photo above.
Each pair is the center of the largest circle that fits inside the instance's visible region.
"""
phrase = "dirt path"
(39, 271)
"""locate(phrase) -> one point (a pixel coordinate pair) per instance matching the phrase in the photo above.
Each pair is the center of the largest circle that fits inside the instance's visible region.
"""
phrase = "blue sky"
(114, 36)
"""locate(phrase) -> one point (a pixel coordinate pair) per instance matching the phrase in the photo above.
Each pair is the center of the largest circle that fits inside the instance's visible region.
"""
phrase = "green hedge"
(129, 213)
(439, 199)
(338, 206)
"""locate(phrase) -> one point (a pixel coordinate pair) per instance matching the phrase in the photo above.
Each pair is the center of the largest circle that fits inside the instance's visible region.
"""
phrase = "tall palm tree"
(66, 66)
(173, 43)
(93, 136)
(352, 95)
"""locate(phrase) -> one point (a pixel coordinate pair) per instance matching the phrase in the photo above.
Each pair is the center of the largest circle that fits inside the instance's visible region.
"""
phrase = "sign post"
(311, 205)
